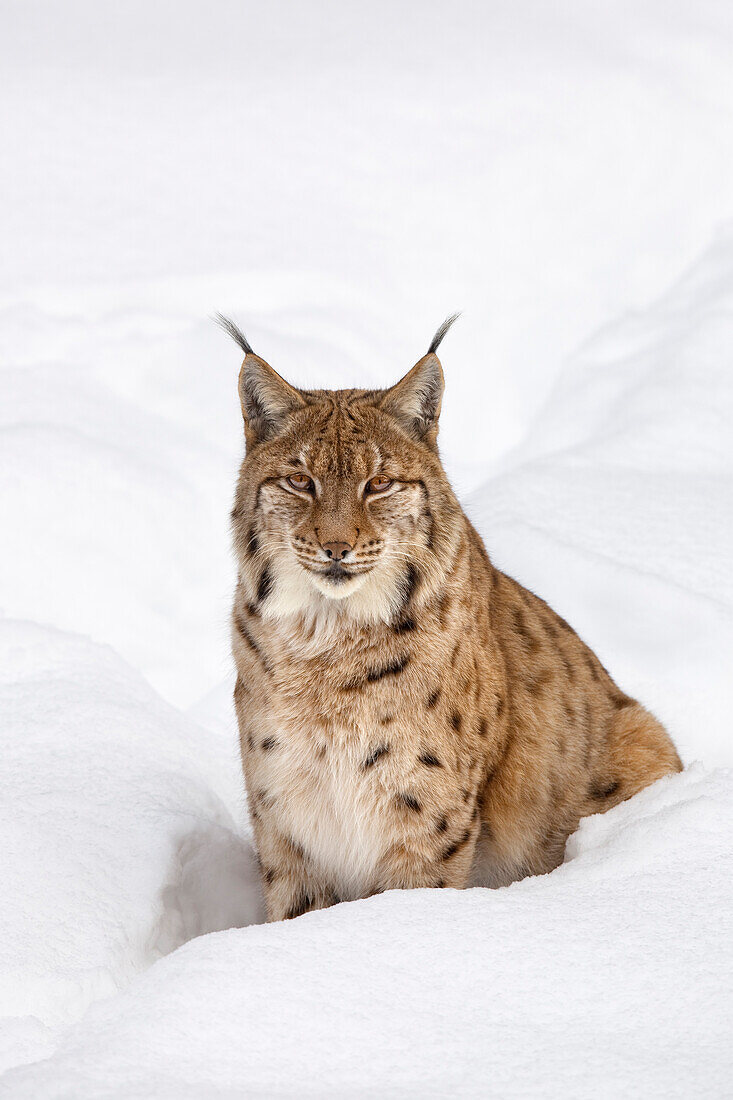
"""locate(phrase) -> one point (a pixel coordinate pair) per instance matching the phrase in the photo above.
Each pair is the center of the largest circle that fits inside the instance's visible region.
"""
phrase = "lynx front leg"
(290, 886)
(435, 853)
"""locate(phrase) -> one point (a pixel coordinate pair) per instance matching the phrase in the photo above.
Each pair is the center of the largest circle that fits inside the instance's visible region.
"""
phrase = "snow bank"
(605, 978)
(115, 849)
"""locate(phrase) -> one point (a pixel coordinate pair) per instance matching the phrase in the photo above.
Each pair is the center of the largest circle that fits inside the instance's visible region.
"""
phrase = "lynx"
(409, 715)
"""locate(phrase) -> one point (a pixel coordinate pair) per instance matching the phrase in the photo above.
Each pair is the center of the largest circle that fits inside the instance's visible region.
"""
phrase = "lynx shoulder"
(409, 715)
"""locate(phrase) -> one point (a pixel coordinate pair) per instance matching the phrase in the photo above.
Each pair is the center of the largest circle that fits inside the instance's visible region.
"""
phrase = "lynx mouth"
(336, 572)
(336, 581)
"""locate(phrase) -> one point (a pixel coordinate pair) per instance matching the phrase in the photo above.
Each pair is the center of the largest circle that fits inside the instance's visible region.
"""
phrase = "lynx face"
(333, 496)
(342, 508)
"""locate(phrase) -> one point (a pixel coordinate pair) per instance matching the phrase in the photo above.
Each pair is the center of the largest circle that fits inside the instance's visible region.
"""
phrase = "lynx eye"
(301, 482)
(378, 484)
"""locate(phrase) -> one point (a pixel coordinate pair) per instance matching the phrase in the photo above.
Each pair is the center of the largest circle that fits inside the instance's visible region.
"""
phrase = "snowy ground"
(340, 177)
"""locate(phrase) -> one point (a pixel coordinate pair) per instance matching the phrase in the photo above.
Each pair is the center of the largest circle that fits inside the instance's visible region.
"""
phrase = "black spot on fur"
(482, 727)
(456, 721)
(404, 626)
(429, 760)
(499, 706)
(410, 802)
(244, 633)
(242, 628)
(386, 719)
(600, 791)
(409, 584)
(456, 846)
(270, 875)
(264, 588)
(302, 905)
(433, 698)
(296, 848)
(392, 669)
(550, 628)
(520, 626)
(442, 824)
(620, 701)
(269, 743)
(591, 666)
(374, 755)
(253, 543)
(530, 643)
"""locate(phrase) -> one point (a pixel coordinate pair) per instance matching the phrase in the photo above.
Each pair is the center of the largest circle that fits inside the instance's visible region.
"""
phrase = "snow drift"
(115, 847)
(598, 978)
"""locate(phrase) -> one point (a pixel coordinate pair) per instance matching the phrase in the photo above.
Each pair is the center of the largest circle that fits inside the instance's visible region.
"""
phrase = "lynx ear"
(415, 400)
(267, 399)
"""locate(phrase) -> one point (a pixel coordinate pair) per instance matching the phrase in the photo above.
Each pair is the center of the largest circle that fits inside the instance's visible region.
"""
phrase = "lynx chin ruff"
(408, 714)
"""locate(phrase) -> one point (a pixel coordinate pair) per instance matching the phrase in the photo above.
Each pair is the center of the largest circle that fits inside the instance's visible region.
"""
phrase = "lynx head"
(342, 504)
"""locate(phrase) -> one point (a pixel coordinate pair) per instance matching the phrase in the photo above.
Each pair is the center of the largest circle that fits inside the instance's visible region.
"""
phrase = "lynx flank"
(409, 715)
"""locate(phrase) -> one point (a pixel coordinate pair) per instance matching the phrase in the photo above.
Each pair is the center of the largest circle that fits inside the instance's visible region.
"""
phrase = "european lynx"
(409, 716)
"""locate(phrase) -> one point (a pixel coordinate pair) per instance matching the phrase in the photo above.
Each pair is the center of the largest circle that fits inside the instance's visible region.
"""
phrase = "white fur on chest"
(330, 806)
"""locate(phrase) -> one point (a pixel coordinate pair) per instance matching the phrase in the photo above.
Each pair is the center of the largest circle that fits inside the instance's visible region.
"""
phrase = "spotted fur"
(409, 715)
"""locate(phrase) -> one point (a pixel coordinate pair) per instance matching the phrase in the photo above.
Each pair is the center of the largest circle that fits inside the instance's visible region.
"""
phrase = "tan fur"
(426, 721)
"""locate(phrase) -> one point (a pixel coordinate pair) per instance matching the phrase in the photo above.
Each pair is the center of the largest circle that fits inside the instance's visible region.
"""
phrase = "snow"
(341, 178)
(116, 848)
(599, 978)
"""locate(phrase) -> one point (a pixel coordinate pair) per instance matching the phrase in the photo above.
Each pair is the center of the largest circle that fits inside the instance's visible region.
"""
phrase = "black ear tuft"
(267, 399)
(234, 331)
(438, 338)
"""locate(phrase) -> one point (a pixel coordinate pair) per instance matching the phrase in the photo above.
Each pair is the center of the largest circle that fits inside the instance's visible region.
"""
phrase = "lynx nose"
(337, 550)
